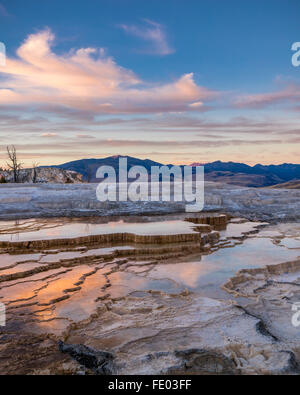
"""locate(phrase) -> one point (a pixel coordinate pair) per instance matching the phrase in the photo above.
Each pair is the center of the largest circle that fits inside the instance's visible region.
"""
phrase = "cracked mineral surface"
(176, 294)
(76, 200)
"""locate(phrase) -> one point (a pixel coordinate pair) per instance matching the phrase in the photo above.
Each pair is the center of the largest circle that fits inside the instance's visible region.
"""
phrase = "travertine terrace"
(77, 200)
(142, 295)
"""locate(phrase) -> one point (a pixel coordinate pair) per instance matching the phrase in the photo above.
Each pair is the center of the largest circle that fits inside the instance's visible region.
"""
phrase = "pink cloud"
(290, 94)
(87, 80)
(49, 135)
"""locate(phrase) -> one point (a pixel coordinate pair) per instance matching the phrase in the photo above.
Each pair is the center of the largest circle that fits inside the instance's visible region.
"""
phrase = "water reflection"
(78, 229)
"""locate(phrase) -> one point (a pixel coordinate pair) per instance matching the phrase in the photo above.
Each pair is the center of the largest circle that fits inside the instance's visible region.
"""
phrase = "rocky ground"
(149, 301)
(54, 200)
(288, 185)
(43, 175)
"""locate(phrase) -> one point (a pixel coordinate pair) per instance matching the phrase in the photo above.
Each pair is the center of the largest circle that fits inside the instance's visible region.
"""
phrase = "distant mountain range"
(226, 172)
(89, 167)
(251, 176)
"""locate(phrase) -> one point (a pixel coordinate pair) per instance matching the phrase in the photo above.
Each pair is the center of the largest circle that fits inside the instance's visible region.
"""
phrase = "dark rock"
(101, 362)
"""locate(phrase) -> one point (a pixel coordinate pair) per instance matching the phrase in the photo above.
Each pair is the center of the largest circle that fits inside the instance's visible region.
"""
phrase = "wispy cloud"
(152, 32)
(49, 135)
(290, 93)
(85, 136)
(3, 11)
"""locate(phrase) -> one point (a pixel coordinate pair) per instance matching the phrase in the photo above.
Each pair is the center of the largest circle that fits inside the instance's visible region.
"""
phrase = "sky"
(176, 81)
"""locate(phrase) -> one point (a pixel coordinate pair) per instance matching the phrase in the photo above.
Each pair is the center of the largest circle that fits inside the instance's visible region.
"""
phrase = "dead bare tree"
(14, 165)
(89, 172)
(34, 171)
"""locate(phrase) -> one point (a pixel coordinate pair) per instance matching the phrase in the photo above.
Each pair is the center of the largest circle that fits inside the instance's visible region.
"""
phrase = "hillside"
(288, 185)
(226, 172)
(242, 179)
(273, 174)
(88, 167)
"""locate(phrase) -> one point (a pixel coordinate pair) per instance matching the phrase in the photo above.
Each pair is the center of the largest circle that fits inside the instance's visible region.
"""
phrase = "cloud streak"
(152, 32)
(290, 93)
(3, 11)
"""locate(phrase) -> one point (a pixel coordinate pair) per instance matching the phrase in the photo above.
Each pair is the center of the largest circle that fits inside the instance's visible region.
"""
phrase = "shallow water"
(67, 290)
(207, 273)
(78, 228)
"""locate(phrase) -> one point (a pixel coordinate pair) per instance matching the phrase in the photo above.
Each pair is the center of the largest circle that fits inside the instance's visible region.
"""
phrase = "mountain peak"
(228, 172)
